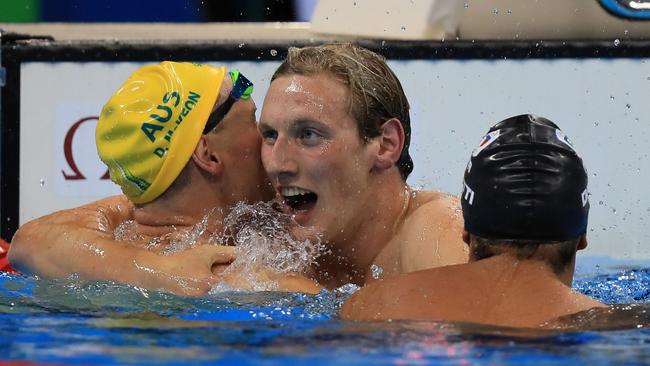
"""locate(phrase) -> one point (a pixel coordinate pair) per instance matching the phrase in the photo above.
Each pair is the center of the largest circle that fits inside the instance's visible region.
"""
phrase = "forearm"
(80, 241)
(57, 251)
(106, 259)
(297, 283)
(265, 279)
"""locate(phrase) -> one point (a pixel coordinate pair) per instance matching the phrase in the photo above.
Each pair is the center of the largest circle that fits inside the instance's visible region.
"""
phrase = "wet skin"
(311, 143)
(238, 142)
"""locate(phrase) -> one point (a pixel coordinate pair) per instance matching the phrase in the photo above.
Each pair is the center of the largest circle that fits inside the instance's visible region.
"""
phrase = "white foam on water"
(175, 241)
(266, 240)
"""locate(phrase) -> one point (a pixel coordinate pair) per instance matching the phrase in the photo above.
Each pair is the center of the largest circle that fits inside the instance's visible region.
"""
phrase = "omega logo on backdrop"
(76, 174)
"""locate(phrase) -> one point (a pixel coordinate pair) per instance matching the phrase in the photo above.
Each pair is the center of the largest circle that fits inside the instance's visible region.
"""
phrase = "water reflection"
(70, 321)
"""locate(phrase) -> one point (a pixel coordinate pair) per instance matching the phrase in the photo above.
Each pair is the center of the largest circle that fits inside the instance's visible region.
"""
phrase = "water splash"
(177, 240)
(187, 239)
(266, 240)
(127, 231)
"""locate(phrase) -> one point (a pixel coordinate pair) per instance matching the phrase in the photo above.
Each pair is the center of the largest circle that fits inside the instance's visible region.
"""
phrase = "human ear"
(466, 237)
(391, 142)
(206, 158)
(582, 242)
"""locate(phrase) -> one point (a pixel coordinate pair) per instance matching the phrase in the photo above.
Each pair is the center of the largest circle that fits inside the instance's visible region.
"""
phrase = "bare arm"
(369, 303)
(80, 241)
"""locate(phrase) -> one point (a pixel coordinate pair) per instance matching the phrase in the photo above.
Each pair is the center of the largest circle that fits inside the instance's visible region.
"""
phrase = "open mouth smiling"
(298, 199)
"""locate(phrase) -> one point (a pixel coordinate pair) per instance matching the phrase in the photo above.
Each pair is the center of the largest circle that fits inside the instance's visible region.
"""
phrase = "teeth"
(293, 191)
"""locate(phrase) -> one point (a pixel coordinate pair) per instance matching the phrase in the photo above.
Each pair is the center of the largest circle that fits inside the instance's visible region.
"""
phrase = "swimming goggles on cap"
(242, 88)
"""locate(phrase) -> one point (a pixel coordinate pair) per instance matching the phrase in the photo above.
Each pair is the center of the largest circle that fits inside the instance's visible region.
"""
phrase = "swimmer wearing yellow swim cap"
(181, 141)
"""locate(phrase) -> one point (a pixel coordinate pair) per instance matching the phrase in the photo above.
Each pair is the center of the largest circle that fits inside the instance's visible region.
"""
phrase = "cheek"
(351, 174)
(265, 154)
(333, 167)
(250, 144)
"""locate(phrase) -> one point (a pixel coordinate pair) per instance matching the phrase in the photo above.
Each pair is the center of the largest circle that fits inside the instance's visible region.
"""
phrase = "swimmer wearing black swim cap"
(525, 205)
(525, 181)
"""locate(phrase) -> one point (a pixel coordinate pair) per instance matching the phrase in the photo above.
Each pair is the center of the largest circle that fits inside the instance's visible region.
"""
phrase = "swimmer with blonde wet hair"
(181, 141)
(335, 130)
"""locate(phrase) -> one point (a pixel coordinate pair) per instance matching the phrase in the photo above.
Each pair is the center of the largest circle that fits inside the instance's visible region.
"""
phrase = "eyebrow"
(261, 124)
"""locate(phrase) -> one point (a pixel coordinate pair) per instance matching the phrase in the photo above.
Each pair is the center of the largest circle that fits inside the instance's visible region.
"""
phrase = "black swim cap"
(525, 182)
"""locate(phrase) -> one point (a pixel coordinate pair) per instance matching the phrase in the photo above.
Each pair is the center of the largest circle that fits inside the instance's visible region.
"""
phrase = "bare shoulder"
(65, 229)
(111, 211)
(102, 215)
(369, 303)
(431, 235)
(110, 205)
(426, 294)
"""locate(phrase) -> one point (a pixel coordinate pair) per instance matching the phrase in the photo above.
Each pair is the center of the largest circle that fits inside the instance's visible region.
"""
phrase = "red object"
(4, 262)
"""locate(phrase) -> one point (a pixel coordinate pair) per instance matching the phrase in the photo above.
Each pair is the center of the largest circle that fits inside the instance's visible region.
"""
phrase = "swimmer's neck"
(525, 270)
(358, 247)
(537, 262)
(184, 205)
(171, 214)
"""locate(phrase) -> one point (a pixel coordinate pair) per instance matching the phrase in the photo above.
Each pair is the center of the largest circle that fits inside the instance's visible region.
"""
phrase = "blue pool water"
(68, 322)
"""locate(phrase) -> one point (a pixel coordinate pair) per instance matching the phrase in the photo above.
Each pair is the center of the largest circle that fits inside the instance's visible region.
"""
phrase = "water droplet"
(617, 42)
(466, 5)
(628, 106)
(403, 28)
(241, 45)
(495, 11)
(509, 11)
(273, 52)
(612, 97)
(626, 31)
(376, 271)
(41, 182)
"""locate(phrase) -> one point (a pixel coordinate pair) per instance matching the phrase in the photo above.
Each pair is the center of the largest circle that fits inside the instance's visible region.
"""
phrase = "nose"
(279, 160)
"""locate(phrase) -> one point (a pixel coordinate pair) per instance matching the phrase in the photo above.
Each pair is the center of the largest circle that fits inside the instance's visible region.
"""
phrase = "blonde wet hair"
(376, 94)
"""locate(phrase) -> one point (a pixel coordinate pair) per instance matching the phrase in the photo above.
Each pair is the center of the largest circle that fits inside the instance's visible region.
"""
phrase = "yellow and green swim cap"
(149, 128)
